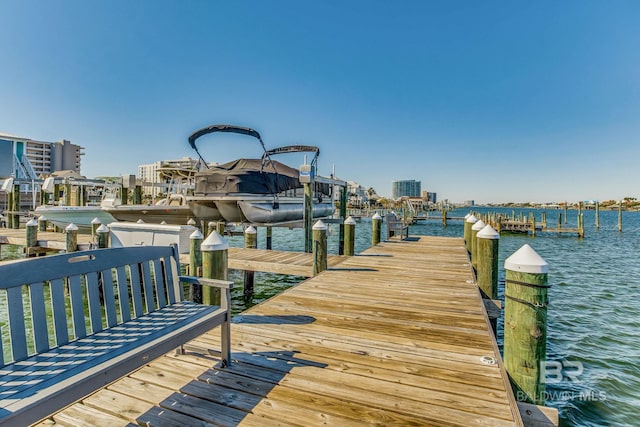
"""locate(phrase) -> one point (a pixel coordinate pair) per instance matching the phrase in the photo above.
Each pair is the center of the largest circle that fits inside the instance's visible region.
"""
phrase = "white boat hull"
(81, 216)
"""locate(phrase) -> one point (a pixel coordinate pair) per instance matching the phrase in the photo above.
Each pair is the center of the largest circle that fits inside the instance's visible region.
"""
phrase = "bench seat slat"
(39, 317)
(59, 312)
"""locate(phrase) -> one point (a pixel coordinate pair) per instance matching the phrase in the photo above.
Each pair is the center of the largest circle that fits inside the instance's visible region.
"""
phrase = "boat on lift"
(259, 190)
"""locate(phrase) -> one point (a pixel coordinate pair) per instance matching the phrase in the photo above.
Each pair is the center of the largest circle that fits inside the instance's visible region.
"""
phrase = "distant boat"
(258, 191)
(81, 216)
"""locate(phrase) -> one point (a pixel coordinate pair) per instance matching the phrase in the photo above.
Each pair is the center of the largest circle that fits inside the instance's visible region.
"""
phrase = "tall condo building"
(409, 188)
(28, 159)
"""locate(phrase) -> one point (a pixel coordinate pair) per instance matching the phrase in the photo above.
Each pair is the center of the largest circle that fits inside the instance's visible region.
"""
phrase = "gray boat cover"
(249, 176)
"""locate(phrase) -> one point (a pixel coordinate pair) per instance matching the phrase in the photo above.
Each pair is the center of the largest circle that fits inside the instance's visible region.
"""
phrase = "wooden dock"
(395, 336)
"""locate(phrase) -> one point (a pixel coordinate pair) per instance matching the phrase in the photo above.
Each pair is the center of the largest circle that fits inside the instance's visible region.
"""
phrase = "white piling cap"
(467, 216)
(320, 225)
(215, 242)
(96, 221)
(191, 221)
(250, 230)
(350, 221)
(140, 221)
(32, 223)
(163, 223)
(376, 217)
(42, 218)
(71, 227)
(102, 229)
(478, 225)
(526, 260)
(196, 235)
(488, 233)
(472, 219)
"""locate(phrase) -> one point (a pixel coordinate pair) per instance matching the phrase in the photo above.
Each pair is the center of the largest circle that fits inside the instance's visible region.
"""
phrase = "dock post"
(204, 227)
(349, 236)
(619, 216)
(319, 247)
(95, 224)
(71, 238)
(210, 228)
(468, 223)
(16, 207)
(269, 237)
(220, 226)
(308, 215)
(195, 264)
(31, 238)
(250, 242)
(124, 195)
(191, 222)
(67, 193)
(376, 225)
(215, 258)
(444, 218)
(597, 215)
(544, 219)
(488, 243)
(103, 236)
(42, 223)
(137, 195)
(566, 207)
(475, 228)
(581, 225)
(533, 225)
(525, 323)
(559, 220)
(343, 216)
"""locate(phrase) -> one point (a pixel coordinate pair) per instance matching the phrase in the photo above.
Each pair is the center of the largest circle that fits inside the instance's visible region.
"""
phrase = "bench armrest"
(193, 280)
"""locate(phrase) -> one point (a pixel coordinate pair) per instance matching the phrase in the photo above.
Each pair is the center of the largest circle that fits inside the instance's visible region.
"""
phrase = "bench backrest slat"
(160, 284)
(16, 323)
(136, 289)
(77, 307)
(174, 290)
(123, 294)
(59, 312)
(93, 297)
(109, 298)
(39, 317)
(148, 288)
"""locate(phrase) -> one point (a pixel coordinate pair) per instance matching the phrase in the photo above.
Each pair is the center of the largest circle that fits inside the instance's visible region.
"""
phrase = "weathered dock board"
(395, 336)
(46, 239)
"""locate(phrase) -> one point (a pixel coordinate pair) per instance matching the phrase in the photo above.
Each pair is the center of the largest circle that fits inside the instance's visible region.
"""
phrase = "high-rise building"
(409, 188)
(28, 159)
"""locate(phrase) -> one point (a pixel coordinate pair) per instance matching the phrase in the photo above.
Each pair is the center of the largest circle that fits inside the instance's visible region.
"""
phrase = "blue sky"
(492, 101)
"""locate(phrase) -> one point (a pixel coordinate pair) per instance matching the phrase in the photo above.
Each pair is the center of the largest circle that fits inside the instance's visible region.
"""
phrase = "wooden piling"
(597, 215)
(269, 237)
(319, 247)
(566, 208)
(95, 224)
(215, 261)
(31, 238)
(349, 236)
(525, 323)
(42, 223)
(376, 225)
(343, 217)
(620, 216)
(137, 195)
(71, 238)
(475, 228)
(468, 223)
(220, 226)
(15, 218)
(124, 195)
(250, 242)
(195, 264)
(308, 215)
(103, 236)
(444, 218)
(487, 270)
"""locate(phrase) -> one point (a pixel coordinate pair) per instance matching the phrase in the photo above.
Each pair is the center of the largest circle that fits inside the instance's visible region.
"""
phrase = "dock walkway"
(395, 336)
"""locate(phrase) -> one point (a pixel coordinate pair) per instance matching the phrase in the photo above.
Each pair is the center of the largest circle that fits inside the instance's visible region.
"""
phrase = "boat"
(259, 190)
(81, 216)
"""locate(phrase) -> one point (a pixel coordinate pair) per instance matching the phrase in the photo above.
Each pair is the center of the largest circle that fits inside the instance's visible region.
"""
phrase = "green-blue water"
(593, 316)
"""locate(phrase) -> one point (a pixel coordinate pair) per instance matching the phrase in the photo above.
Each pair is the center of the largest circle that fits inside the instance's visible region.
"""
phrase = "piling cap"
(479, 225)
(467, 216)
(96, 221)
(196, 235)
(472, 219)
(488, 233)
(71, 227)
(32, 223)
(102, 229)
(320, 226)
(163, 223)
(42, 218)
(191, 221)
(376, 217)
(215, 242)
(140, 221)
(250, 230)
(350, 221)
(526, 260)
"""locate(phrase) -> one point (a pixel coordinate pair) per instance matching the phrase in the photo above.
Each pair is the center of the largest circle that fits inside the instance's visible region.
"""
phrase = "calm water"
(593, 316)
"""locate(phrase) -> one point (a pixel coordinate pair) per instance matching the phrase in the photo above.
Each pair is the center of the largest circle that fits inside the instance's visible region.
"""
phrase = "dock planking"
(395, 336)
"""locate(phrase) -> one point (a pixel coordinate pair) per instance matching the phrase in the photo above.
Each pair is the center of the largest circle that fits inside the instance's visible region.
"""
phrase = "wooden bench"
(79, 321)
(395, 226)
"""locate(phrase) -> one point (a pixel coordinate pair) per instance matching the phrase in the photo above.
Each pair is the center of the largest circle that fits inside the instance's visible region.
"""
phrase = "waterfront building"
(29, 159)
(357, 194)
(408, 188)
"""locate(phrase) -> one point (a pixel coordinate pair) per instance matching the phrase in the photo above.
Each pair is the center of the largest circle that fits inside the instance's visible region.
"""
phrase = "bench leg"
(225, 344)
